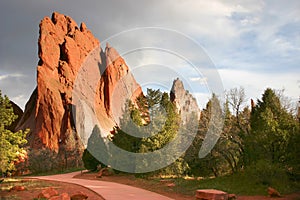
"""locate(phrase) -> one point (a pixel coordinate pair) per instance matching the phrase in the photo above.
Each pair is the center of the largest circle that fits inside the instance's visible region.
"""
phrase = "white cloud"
(2, 77)
(255, 83)
(200, 80)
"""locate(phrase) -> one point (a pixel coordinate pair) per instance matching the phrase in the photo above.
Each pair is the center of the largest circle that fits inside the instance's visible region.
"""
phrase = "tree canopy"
(10, 142)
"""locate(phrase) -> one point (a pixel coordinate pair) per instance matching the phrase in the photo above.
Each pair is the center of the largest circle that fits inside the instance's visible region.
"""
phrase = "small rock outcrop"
(185, 103)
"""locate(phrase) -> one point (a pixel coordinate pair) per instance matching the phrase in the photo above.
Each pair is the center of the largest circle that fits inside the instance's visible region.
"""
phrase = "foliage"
(271, 130)
(261, 142)
(49, 158)
(268, 132)
(89, 161)
(10, 143)
(267, 173)
(155, 116)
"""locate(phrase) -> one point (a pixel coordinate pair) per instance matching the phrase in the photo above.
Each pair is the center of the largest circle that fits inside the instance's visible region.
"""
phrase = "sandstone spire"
(185, 102)
(63, 48)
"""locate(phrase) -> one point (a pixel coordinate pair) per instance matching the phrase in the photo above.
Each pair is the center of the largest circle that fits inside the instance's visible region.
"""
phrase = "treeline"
(262, 139)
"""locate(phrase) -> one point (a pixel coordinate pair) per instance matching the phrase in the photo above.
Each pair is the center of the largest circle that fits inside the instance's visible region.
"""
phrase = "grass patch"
(240, 184)
(28, 184)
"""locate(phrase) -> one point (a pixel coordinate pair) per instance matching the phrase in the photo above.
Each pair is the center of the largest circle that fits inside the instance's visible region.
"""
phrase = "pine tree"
(271, 129)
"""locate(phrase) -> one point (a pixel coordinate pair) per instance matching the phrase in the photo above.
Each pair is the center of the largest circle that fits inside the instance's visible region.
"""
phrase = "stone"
(79, 196)
(211, 194)
(184, 101)
(105, 172)
(48, 193)
(62, 196)
(17, 188)
(171, 185)
(63, 50)
(232, 197)
(273, 192)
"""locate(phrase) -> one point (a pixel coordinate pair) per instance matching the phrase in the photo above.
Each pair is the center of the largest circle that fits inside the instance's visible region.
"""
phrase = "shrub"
(89, 161)
(267, 173)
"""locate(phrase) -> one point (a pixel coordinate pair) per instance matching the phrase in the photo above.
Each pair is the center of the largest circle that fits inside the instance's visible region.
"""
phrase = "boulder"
(17, 188)
(232, 197)
(273, 192)
(48, 193)
(211, 194)
(62, 196)
(79, 196)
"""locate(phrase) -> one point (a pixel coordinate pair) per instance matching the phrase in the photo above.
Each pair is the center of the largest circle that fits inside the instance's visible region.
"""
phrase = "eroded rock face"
(117, 84)
(18, 112)
(185, 103)
(63, 48)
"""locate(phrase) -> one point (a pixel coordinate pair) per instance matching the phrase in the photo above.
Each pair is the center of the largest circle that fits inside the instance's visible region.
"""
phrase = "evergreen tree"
(10, 143)
(271, 130)
(155, 118)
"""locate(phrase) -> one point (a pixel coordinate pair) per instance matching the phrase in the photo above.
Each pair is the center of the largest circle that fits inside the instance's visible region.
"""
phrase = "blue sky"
(254, 43)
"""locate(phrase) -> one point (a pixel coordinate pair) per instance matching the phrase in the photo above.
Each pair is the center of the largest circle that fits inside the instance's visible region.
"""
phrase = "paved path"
(108, 190)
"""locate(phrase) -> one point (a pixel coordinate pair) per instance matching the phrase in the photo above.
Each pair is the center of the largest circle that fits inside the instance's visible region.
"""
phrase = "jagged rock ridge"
(185, 103)
(63, 48)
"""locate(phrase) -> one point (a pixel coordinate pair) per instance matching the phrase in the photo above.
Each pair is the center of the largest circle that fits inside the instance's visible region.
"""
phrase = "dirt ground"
(34, 187)
(163, 188)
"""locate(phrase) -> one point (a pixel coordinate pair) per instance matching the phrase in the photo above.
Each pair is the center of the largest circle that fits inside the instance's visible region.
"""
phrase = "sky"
(252, 44)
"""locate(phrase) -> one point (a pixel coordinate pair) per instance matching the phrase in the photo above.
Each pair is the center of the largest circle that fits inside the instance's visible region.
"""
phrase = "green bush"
(267, 173)
(89, 161)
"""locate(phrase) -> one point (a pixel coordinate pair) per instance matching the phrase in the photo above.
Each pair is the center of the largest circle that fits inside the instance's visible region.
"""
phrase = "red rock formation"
(117, 84)
(64, 49)
(185, 102)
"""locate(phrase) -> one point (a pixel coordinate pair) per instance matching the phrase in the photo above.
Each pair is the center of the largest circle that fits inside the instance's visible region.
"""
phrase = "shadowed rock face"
(18, 112)
(185, 103)
(63, 48)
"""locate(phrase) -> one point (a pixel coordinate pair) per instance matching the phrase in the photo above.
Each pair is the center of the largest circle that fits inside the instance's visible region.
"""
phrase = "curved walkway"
(108, 190)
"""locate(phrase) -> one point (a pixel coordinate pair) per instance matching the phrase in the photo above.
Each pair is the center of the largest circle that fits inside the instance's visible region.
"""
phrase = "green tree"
(10, 143)
(156, 118)
(89, 161)
(272, 127)
(214, 162)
